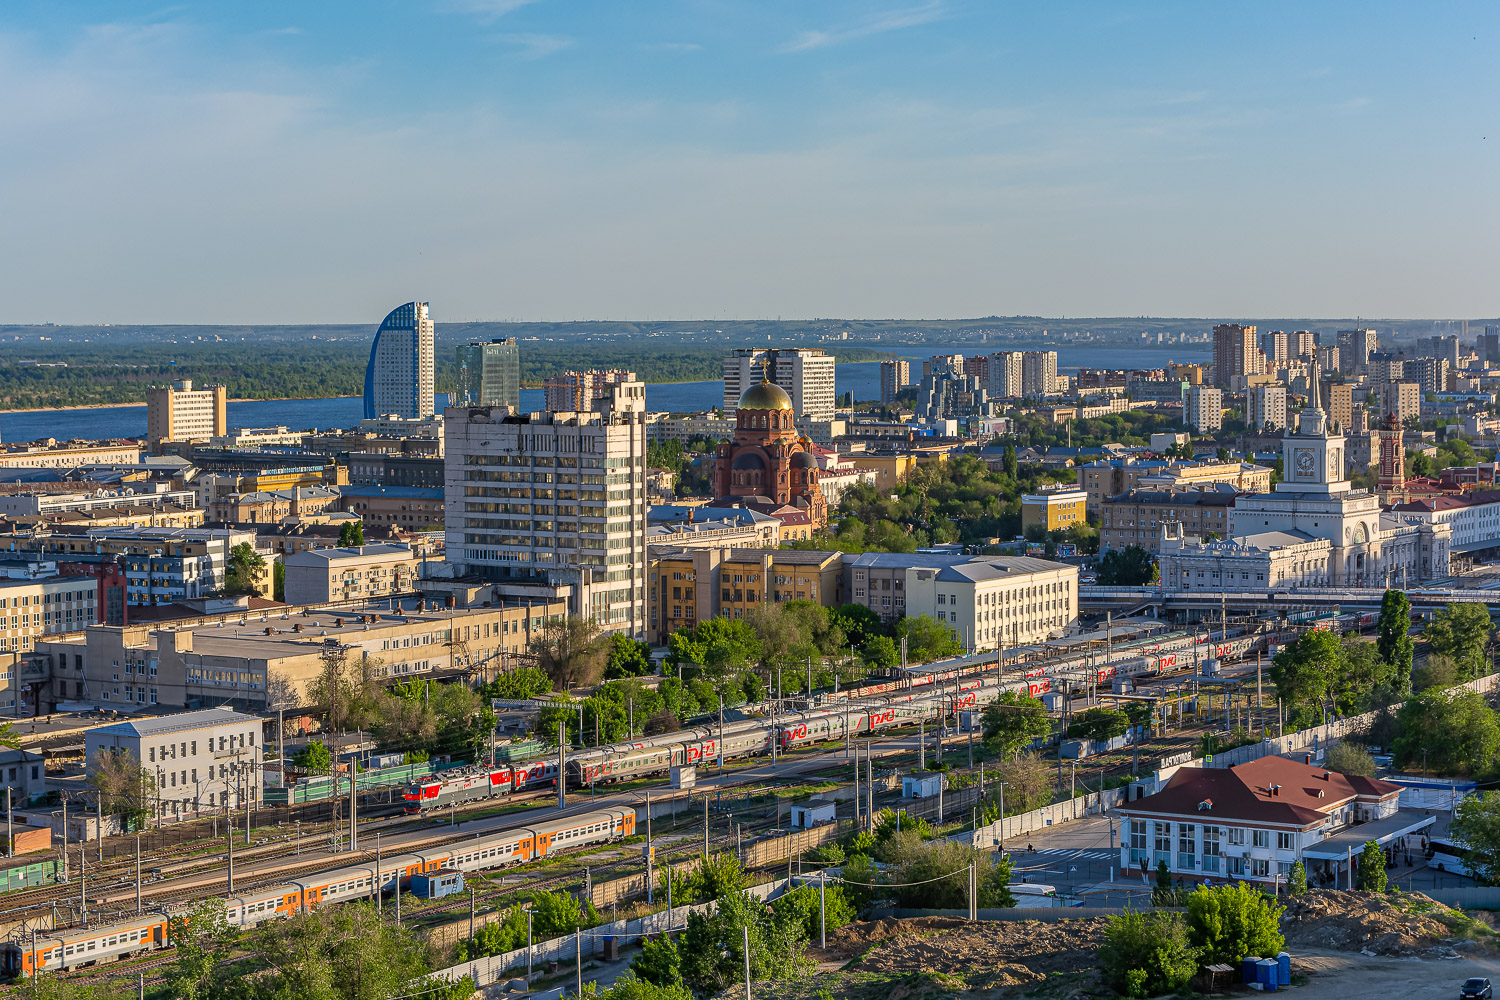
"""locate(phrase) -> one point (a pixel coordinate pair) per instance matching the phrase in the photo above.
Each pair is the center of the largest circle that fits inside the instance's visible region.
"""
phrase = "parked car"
(1476, 989)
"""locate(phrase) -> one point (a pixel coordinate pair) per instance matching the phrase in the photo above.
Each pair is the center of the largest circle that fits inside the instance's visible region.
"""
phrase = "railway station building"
(1255, 820)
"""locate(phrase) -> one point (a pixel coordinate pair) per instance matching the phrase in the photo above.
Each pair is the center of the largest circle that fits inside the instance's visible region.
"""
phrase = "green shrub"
(1231, 921)
(1147, 954)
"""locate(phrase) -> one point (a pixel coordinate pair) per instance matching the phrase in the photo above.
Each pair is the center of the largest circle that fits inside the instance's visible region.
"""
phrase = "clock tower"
(1315, 499)
(1312, 460)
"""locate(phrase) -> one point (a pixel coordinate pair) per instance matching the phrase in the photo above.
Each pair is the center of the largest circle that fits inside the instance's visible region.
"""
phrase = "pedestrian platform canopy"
(1353, 838)
(437, 884)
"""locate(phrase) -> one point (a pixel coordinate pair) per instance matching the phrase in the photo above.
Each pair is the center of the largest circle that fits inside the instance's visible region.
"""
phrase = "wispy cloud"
(534, 46)
(484, 10)
(871, 24)
(673, 47)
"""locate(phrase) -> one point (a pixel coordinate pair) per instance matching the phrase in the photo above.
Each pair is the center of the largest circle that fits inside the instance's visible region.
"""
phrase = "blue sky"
(568, 159)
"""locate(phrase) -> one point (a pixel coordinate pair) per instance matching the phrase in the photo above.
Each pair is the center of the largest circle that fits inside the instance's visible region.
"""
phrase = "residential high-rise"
(1428, 372)
(1038, 373)
(181, 413)
(1274, 346)
(489, 374)
(894, 376)
(1404, 399)
(552, 505)
(1236, 354)
(805, 373)
(950, 364)
(1341, 405)
(582, 391)
(1355, 348)
(1304, 344)
(1267, 407)
(1489, 346)
(1205, 408)
(1329, 359)
(1007, 375)
(398, 379)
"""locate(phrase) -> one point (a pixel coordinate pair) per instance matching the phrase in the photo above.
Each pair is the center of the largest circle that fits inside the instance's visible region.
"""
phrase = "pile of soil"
(986, 955)
(1406, 924)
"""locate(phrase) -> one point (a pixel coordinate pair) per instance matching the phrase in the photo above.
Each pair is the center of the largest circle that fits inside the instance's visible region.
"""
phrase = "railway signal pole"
(562, 765)
(229, 837)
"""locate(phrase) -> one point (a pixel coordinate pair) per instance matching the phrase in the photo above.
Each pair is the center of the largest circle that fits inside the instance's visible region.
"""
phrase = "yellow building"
(1054, 510)
(687, 586)
(890, 470)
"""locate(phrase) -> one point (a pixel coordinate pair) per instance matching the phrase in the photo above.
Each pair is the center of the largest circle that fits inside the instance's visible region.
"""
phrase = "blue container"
(1248, 967)
(1266, 973)
(1283, 969)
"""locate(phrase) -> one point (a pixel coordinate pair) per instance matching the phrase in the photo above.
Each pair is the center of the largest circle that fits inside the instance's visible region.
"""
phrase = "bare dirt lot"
(945, 956)
(1344, 945)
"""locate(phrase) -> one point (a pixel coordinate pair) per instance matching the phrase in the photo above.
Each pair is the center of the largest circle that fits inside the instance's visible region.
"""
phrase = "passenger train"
(81, 946)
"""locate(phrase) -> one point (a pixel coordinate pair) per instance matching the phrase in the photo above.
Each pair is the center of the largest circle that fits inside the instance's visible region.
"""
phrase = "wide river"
(862, 379)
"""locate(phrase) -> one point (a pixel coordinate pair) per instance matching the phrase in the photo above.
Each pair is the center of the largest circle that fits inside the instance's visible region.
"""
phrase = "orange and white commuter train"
(81, 946)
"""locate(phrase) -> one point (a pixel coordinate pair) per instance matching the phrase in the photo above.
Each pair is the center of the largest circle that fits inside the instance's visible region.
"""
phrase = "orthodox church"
(767, 465)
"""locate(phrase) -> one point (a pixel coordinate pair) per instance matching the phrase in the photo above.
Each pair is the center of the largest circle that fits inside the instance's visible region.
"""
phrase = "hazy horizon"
(285, 163)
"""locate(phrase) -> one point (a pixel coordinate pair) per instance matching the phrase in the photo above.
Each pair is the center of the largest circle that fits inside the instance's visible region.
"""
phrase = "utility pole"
(99, 830)
(229, 837)
(721, 734)
(562, 764)
(65, 836)
(138, 874)
(10, 837)
(83, 883)
(379, 886)
(650, 856)
(705, 826)
(280, 745)
(353, 809)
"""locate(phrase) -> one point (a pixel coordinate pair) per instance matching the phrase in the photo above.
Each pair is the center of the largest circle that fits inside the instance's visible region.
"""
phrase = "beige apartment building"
(48, 454)
(688, 585)
(231, 662)
(1135, 518)
(1243, 476)
(366, 572)
(181, 413)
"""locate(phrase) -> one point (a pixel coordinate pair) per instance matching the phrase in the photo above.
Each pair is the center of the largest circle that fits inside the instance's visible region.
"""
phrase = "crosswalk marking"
(1096, 855)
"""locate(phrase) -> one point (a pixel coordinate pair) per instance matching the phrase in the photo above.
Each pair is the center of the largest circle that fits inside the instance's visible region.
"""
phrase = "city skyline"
(548, 161)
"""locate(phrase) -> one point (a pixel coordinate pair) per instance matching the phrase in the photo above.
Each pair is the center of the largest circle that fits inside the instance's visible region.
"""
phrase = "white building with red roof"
(1256, 820)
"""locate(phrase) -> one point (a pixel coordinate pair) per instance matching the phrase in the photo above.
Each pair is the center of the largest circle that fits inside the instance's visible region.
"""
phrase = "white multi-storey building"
(987, 601)
(399, 376)
(1267, 407)
(1206, 408)
(1005, 375)
(201, 760)
(553, 505)
(1038, 373)
(806, 375)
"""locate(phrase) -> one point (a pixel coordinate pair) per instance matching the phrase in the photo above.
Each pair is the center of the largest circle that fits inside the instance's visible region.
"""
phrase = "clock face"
(1304, 462)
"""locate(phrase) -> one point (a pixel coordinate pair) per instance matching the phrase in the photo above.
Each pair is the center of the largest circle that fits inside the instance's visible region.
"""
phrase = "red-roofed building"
(1256, 820)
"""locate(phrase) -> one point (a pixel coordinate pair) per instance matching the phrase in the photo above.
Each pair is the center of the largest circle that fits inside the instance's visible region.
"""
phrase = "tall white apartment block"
(805, 373)
(553, 505)
(1038, 373)
(1007, 374)
(399, 375)
(1304, 344)
(1206, 408)
(1267, 406)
